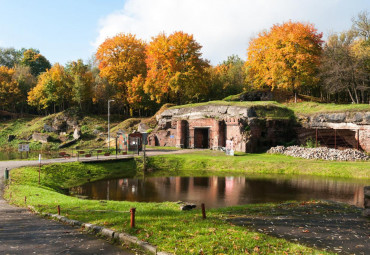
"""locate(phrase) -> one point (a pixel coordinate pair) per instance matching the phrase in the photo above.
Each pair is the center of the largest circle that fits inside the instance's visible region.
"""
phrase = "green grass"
(258, 163)
(272, 109)
(166, 148)
(263, 109)
(231, 103)
(161, 224)
(312, 107)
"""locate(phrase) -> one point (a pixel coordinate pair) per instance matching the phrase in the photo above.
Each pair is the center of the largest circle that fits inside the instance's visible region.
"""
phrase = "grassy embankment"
(218, 162)
(163, 224)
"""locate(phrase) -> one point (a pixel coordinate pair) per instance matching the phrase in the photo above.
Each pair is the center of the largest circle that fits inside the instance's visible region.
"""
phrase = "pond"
(217, 191)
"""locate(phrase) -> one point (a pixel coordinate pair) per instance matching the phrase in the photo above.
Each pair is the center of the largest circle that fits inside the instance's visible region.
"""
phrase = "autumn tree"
(361, 25)
(25, 81)
(345, 69)
(121, 58)
(176, 71)
(9, 91)
(9, 57)
(227, 78)
(53, 88)
(37, 62)
(344, 66)
(287, 56)
(81, 83)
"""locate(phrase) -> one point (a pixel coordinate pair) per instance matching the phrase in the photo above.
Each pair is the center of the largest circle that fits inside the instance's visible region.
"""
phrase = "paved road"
(24, 233)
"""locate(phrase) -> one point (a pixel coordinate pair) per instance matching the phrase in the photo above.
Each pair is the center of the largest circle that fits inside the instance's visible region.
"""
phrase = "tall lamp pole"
(111, 100)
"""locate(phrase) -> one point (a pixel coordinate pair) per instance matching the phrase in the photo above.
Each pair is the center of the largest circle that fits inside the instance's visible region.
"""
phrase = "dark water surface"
(225, 191)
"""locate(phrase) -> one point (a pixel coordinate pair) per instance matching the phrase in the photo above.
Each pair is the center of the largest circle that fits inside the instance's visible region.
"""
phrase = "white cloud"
(222, 27)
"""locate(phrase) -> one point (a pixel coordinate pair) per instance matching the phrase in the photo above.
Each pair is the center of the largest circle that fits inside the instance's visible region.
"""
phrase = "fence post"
(58, 209)
(132, 211)
(204, 211)
(6, 175)
(358, 139)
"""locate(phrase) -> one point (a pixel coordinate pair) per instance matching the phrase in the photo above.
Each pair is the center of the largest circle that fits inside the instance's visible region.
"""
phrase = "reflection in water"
(223, 191)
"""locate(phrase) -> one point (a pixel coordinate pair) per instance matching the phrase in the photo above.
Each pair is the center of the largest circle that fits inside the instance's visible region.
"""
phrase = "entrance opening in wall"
(201, 138)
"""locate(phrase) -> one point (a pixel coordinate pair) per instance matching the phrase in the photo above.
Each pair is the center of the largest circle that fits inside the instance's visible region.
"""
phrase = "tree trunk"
(357, 101)
(350, 95)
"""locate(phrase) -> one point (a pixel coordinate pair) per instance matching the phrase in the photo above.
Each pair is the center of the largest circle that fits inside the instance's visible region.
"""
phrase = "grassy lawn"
(161, 224)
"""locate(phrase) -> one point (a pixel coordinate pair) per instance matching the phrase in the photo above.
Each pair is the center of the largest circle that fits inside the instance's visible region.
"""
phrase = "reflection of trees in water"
(224, 191)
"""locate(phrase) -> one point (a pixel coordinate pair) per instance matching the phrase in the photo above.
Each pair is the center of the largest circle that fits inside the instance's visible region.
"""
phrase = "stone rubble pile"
(320, 153)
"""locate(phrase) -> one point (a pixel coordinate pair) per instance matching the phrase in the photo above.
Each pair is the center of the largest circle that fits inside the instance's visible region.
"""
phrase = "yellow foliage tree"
(176, 71)
(9, 91)
(53, 88)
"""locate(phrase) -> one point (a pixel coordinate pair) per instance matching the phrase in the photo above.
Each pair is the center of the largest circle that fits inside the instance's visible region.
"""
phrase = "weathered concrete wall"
(357, 122)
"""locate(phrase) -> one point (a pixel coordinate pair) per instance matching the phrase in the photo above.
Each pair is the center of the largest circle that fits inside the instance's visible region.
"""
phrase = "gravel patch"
(320, 153)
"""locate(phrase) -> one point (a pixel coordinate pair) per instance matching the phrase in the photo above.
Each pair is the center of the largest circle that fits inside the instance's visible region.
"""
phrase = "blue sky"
(68, 30)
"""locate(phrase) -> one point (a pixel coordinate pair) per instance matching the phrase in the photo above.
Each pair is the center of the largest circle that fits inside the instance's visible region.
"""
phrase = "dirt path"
(324, 225)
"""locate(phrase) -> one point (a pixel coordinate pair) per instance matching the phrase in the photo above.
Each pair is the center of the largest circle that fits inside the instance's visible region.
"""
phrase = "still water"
(225, 191)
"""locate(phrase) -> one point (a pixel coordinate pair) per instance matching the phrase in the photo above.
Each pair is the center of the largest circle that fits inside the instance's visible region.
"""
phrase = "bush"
(84, 129)
(311, 143)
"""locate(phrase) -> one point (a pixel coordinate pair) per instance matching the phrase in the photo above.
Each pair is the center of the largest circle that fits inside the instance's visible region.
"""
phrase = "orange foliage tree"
(285, 57)
(121, 58)
(9, 91)
(176, 71)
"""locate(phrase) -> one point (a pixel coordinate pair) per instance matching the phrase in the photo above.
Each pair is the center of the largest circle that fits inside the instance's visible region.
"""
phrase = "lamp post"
(144, 140)
(111, 100)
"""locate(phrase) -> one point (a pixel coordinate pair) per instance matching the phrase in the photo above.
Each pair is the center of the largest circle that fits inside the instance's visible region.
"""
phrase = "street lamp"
(111, 100)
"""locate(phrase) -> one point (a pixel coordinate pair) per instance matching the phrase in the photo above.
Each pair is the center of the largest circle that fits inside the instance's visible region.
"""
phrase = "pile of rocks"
(320, 153)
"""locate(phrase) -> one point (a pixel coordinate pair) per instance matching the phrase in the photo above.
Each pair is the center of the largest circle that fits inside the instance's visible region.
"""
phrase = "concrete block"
(107, 233)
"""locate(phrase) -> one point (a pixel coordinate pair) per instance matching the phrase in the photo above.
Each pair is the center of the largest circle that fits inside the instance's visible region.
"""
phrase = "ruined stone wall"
(189, 127)
(357, 123)
(251, 133)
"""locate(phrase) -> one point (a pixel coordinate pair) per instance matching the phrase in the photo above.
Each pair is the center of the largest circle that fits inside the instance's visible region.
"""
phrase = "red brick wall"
(261, 133)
